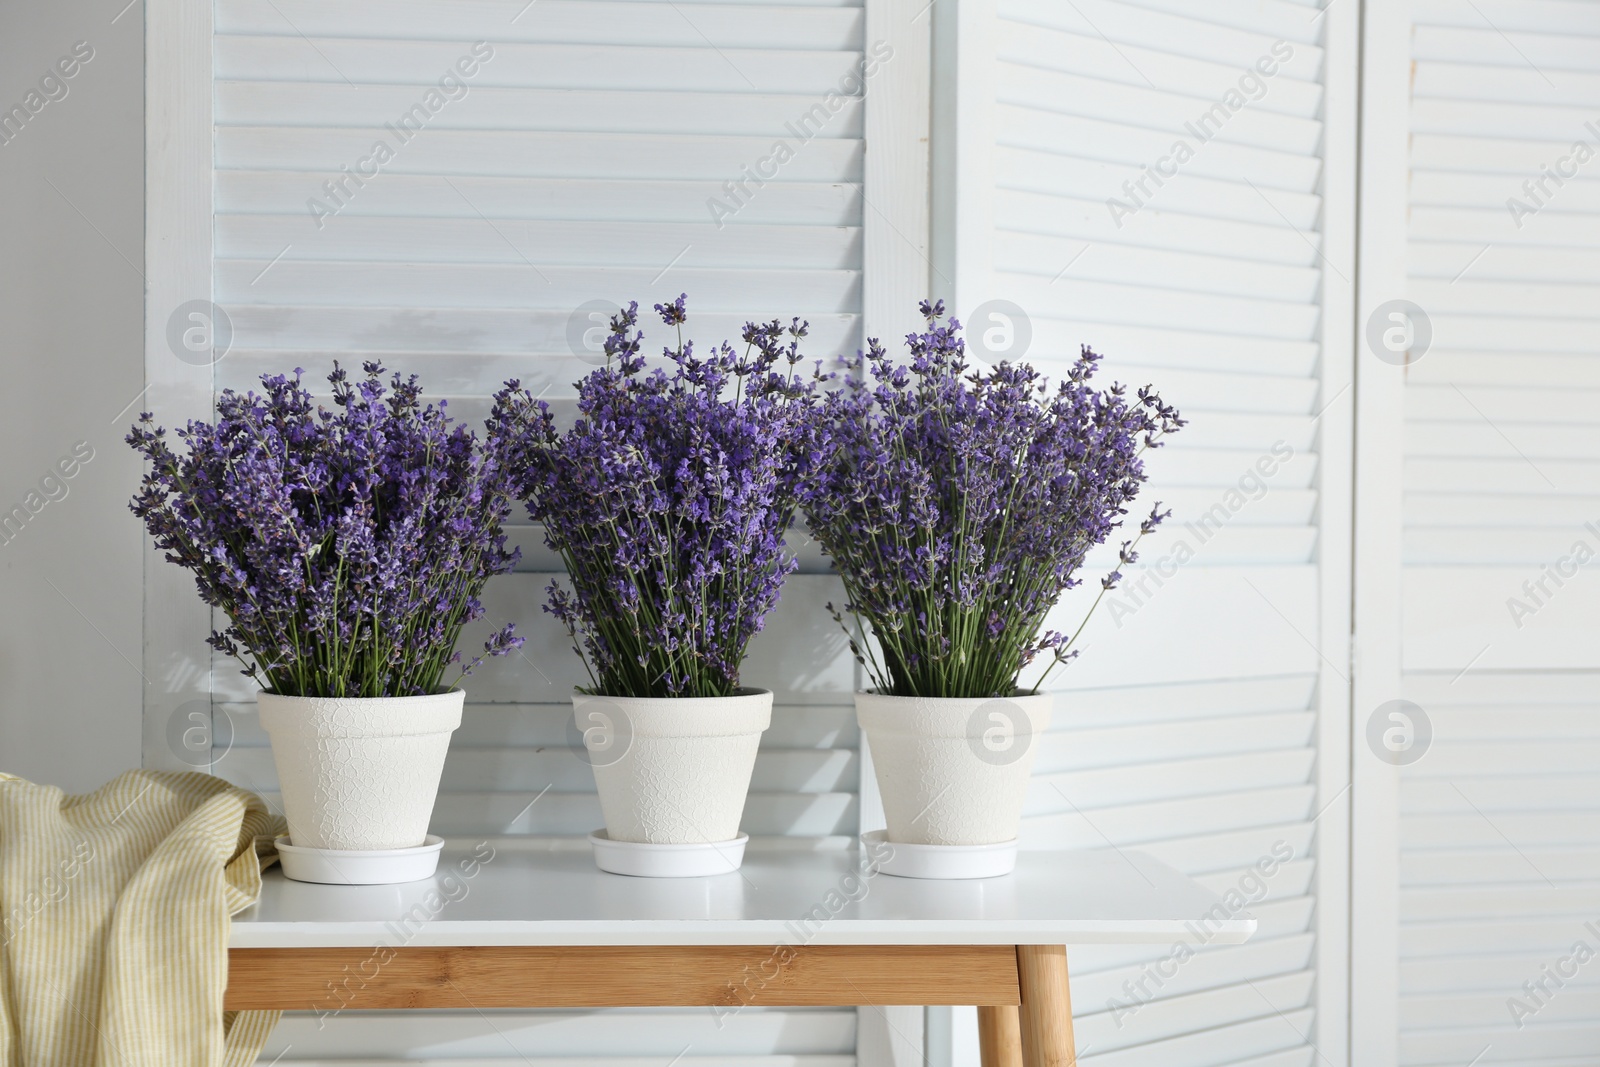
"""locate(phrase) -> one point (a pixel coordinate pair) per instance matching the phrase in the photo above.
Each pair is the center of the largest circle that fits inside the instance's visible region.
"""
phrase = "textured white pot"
(359, 772)
(672, 770)
(953, 771)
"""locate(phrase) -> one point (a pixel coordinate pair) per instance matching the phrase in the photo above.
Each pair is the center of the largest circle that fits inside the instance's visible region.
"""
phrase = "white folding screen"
(1479, 865)
(463, 190)
(1171, 183)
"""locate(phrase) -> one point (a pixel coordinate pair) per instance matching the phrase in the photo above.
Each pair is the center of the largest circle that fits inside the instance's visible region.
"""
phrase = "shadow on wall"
(71, 298)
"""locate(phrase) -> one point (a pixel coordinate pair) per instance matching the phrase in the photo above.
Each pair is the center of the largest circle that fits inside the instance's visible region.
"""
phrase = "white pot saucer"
(645, 860)
(385, 866)
(941, 861)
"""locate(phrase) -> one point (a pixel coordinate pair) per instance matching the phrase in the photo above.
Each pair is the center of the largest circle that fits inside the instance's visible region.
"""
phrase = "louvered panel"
(1231, 545)
(1140, 823)
(1104, 990)
(391, 288)
(300, 105)
(1505, 902)
(1210, 852)
(1527, 866)
(1204, 36)
(1230, 430)
(1542, 122)
(1149, 610)
(1533, 402)
(1200, 389)
(1554, 305)
(1029, 128)
(1281, 507)
(1043, 254)
(1506, 792)
(1571, 1006)
(1540, 829)
(1470, 191)
(1284, 907)
(1087, 55)
(1546, 16)
(1468, 367)
(1225, 467)
(1132, 705)
(1288, 19)
(1469, 973)
(1538, 1044)
(1555, 231)
(468, 349)
(1489, 44)
(365, 60)
(711, 158)
(1074, 94)
(1519, 475)
(1212, 777)
(1203, 198)
(790, 1037)
(1150, 743)
(1498, 509)
(665, 200)
(1090, 790)
(1553, 935)
(1533, 546)
(579, 164)
(1095, 960)
(1159, 1018)
(1480, 439)
(557, 22)
(1211, 290)
(1472, 82)
(1269, 1032)
(1082, 226)
(356, 242)
(1072, 298)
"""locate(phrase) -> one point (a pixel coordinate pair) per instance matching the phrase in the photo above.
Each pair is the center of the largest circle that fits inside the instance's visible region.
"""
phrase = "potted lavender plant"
(347, 549)
(668, 501)
(957, 506)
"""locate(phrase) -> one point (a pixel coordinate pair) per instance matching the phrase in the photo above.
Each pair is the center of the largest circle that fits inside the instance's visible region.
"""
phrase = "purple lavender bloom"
(668, 500)
(957, 506)
(348, 548)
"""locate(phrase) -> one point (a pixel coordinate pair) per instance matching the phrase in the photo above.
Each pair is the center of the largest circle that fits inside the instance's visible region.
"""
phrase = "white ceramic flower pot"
(953, 771)
(672, 770)
(359, 773)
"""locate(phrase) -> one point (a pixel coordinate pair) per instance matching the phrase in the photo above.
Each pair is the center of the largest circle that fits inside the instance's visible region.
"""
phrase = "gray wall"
(71, 326)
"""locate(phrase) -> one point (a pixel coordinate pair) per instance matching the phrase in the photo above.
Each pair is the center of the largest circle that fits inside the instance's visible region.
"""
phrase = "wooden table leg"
(999, 1036)
(1046, 1012)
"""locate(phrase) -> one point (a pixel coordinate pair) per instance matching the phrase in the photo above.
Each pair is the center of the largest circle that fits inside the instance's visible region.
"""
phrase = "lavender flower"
(347, 548)
(668, 500)
(957, 507)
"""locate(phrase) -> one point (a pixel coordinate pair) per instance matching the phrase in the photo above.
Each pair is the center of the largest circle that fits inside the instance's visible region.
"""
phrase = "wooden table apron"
(1025, 1010)
(510, 926)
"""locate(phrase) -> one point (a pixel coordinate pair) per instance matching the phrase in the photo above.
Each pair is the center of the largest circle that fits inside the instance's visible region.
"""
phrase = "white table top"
(544, 896)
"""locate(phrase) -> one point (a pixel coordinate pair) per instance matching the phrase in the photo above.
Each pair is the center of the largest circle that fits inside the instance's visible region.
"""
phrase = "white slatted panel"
(1189, 726)
(755, 1037)
(1500, 821)
(577, 166)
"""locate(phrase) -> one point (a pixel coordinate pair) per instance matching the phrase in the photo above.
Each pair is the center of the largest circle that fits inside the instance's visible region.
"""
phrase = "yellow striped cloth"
(115, 909)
